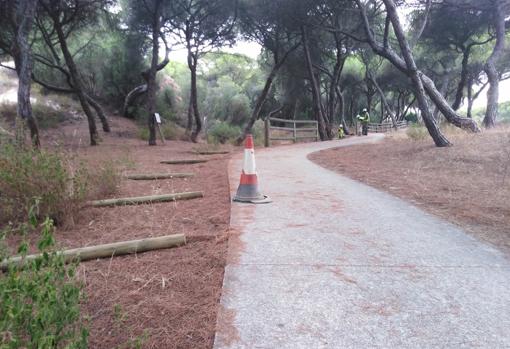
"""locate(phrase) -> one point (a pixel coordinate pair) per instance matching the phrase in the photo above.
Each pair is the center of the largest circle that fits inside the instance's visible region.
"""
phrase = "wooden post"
(146, 199)
(157, 118)
(267, 133)
(107, 250)
(295, 132)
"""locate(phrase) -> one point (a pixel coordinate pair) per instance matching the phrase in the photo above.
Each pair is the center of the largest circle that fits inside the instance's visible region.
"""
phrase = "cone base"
(264, 199)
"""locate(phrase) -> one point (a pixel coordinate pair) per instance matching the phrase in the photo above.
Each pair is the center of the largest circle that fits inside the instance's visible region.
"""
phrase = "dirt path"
(333, 263)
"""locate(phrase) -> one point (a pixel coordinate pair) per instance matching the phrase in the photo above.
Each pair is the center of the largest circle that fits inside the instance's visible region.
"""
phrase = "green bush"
(26, 173)
(40, 299)
(222, 132)
(417, 132)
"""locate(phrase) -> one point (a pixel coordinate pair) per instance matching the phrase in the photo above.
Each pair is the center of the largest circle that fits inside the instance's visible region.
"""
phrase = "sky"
(252, 50)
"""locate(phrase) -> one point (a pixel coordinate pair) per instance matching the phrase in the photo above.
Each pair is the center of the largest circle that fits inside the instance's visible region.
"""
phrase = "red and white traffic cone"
(248, 190)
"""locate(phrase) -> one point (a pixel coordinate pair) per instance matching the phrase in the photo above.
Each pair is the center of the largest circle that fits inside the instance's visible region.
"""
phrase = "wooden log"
(146, 199)
(183, 162)
(212, 152)
(152, 176)
(108, 250)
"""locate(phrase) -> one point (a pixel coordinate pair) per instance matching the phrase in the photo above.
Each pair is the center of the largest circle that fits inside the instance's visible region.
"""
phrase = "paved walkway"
(333, 263)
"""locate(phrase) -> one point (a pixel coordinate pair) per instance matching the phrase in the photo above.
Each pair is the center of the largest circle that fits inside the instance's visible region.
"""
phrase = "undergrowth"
(26, 174)
(40, 297)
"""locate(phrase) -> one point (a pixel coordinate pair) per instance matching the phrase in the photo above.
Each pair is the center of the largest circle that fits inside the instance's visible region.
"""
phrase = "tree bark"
(151, 73)
(131, 98)
(463, 78)
(194, 100)
(315, 89)
(78, 85)
(189, 126)
(490, 68)
(439, 139)
(25, 10)
(100, 113)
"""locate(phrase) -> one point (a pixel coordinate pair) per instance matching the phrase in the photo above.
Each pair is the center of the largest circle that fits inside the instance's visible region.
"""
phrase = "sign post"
(158, 125)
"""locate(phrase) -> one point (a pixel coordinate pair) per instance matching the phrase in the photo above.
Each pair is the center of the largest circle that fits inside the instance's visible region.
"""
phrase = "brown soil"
(467, 184)
(165, 298)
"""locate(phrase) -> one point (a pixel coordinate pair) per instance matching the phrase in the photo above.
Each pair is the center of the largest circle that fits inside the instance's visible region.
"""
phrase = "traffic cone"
(248, 190)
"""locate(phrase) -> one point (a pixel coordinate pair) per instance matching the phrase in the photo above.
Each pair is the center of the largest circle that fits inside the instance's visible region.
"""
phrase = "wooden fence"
(385, 127)
(307, 129)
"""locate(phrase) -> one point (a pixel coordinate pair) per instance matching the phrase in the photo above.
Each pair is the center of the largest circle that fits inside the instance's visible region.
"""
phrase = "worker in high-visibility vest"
(364, 118)
(341, 133)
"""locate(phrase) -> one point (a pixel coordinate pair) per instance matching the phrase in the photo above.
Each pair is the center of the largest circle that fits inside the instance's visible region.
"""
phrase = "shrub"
(222, 132)
(40, 298)
(26, 174)
(417, 132)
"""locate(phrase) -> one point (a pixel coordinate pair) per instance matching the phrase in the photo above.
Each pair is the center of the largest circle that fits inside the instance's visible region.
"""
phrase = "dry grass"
(468, 184)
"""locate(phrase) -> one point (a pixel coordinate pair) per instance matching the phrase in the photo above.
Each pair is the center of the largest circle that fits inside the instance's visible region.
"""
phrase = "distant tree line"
(321, 59)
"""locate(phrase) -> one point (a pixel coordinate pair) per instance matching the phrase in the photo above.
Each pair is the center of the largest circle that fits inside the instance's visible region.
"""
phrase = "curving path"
(333, 263)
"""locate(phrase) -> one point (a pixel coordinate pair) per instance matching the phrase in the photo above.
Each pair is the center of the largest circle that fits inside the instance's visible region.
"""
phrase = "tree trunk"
(25, 10)
(315, 89)
(428, 84)
(131, 98)
(490, 68)
(443, 90)
(278, 63)
(100, 113)
(151, 74)
(463, 79)
(194, 100)
(439, 139)
(78, 85)
(258, 104)
(189, 126)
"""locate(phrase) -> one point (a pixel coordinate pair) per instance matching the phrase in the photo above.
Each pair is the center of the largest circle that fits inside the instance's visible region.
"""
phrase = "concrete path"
(333, 263)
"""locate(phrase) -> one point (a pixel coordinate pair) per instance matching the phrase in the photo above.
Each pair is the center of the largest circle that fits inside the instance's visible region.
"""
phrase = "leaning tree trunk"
(78, 85)
(315, 90)
(100, 113)
(490, 66)
(439, 139)
(428, 84)
(25, 10)
(131, 98)
(258, 105)
(278, 63)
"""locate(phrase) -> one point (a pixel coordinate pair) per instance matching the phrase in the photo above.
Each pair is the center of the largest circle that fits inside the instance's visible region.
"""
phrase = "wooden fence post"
(295, 132)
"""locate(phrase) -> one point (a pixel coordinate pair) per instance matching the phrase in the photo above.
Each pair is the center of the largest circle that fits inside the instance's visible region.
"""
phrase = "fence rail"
(385, 127)
(293, 133)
